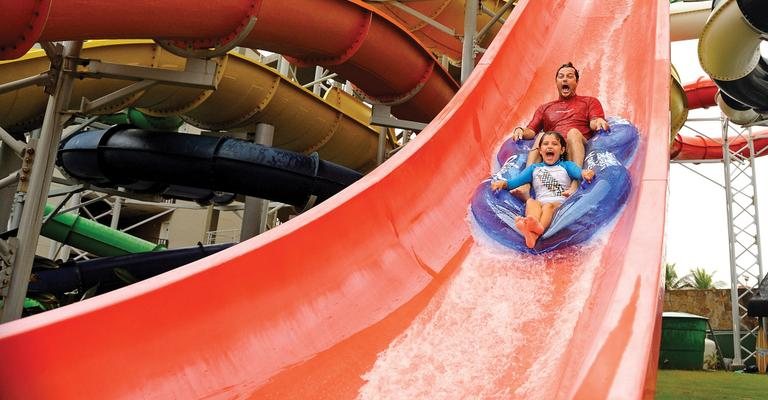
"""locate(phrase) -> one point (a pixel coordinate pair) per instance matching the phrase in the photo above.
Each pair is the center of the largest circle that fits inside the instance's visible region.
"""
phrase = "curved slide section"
(687, 19)
(702, 93)
(365, 296)
(110, 273)
(150, 161)
(347, 36)
(729, 52)
(678, 103)
(248, 93)
(699, 147)
(93, 237)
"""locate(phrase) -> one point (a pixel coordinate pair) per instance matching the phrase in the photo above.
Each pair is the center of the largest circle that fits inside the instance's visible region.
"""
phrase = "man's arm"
(529, 131)
(598, 124)
(597, 116)
(523, 133)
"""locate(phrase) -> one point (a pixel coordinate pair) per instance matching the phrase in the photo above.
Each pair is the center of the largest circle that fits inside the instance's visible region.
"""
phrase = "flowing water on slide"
(493, 330)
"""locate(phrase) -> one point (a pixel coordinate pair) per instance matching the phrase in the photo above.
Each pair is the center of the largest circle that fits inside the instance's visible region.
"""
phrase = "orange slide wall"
(386, 290)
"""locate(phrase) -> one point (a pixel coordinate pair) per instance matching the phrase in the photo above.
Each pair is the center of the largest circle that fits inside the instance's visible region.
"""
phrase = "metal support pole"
(9, 162)
(738, 363)
(145, 220)
(66, 250)
(11, 143)
(743, 237)
(40, 79)
(39, 183)
(117, 206)
(284, 67)
(11, 179)
(495, 17)
(317, 84)
(468, 48)
(382, 150)
(255, 213)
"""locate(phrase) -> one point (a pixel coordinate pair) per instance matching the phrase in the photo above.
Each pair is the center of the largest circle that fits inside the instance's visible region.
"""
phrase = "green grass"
(704, 385)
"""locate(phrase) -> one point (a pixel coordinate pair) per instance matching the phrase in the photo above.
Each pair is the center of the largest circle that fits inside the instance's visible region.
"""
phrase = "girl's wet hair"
(560, 138)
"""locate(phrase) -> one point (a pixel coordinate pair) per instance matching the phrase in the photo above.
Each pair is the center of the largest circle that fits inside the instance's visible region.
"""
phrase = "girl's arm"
(577, 173)
(525, 176)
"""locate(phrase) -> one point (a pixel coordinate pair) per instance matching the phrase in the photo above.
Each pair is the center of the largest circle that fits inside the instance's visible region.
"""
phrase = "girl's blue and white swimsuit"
(548, 181)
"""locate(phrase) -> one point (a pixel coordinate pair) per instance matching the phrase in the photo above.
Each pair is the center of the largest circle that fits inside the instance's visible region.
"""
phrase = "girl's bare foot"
(523, 227)
(534, 226)
(530, 238)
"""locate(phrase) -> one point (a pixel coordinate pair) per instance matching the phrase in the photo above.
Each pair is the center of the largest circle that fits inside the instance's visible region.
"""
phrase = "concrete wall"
(714, 304)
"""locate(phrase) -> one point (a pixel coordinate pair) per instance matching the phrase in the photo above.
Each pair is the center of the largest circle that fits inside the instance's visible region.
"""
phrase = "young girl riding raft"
(553, 180)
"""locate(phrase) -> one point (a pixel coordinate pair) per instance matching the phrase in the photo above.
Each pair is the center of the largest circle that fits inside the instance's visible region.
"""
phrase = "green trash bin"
(682, 341)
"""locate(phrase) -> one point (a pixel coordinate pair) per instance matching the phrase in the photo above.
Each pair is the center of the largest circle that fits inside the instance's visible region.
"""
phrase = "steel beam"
(381, 115)
(469, 40)
(39, 80)
(196, 76)
(39, 183)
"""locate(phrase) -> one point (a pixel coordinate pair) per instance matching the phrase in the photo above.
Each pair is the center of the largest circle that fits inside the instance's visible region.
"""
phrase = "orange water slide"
(347, 36)
(386, 290)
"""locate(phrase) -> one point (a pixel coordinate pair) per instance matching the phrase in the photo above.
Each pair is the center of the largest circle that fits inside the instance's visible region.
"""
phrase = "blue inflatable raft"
(593, 206)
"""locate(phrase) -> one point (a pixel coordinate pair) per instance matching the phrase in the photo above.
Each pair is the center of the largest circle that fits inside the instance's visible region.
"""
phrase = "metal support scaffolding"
(10, 163)
(743, 228)
(35, 196)
(408, 10)
(322, 75)
(381, 115)
(40, 80)
(255, 214)
(381, 153)
(495, 17)
(468, 48)
(197, 73)
(286, 69)
(743, 235)
(117, 207)
(64, 251)
(12, 144)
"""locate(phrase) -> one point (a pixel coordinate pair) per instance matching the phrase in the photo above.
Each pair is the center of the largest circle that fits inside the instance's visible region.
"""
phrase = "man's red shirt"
(563, 114)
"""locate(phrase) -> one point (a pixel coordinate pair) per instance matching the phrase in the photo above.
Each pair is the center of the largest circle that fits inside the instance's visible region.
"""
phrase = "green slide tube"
(93, 237)
(140, 120)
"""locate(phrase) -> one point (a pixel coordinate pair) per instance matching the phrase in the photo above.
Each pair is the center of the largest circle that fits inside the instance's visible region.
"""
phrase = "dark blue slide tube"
(152, 161)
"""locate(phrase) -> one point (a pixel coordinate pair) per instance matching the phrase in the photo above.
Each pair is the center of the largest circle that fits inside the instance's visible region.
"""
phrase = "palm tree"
(670, 278)
(699, 278)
